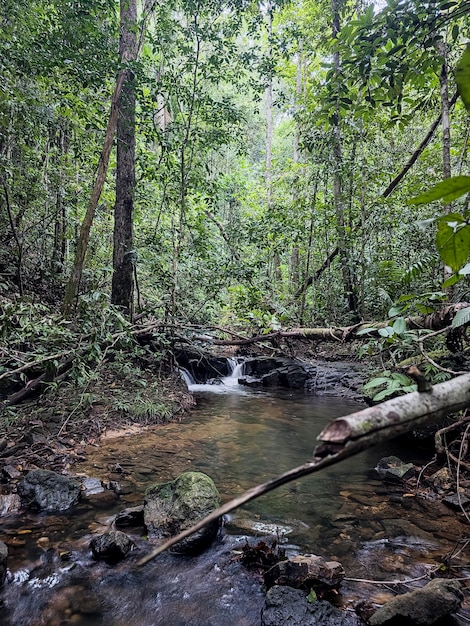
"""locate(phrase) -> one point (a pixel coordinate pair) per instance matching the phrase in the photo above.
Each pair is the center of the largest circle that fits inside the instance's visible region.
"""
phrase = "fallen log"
(347, 436)
(434, 321)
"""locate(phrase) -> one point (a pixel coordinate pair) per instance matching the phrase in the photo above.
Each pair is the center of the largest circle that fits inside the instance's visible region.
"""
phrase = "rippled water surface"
(240, 438)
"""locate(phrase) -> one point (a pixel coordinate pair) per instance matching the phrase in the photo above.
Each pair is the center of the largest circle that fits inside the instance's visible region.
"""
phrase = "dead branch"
(349, 435)
(435, 321)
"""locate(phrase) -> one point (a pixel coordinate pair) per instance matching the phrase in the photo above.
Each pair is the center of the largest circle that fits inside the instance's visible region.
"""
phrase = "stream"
(240, 437)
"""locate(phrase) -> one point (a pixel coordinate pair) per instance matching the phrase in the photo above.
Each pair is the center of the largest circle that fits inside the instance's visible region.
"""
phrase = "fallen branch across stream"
(349, 435)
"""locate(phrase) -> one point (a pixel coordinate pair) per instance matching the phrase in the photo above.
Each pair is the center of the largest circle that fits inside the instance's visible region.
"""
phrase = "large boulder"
(285, 606)
(172, 507)
(111, 546)
(48, 491)
(422, 606)
(274, 372)
(3, 562)
(306, 572)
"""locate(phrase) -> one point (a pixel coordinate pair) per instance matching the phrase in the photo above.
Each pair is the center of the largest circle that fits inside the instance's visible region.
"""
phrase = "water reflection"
(239, 439)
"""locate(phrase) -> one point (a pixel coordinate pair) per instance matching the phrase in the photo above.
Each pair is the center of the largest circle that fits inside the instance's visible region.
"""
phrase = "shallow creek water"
(239, 437)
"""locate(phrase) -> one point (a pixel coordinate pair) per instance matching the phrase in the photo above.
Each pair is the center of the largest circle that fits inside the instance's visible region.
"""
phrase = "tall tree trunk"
(445, 124)
(123, 253)
(269, 113)
(338, 193)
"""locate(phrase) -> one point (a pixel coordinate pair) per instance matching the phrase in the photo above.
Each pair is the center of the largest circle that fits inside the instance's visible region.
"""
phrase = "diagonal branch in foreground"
(346, 436)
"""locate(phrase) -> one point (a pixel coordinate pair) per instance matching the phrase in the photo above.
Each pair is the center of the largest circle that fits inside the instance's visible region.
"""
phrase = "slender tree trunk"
(123, 252)
(73, 284)
(269, 115)
(338, 192)
(445, 108)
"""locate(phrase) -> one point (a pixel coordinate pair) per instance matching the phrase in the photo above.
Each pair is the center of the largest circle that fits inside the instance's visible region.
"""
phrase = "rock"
(271, 372)
(456, 501)
(177, 505)
(9, 503)
(422, 606)
(3, 562)
(392, 468)
(48, 491)
(305, 572)
(111, 546)
(285, 606)
(441, 480)
(132, 516)
(91, 486)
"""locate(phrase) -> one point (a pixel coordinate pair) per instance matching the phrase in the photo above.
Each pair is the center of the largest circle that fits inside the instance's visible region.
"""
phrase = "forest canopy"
(250, 165)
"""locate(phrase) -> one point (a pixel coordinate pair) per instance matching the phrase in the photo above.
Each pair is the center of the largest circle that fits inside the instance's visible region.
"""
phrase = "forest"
(230, 167)
(229, 177)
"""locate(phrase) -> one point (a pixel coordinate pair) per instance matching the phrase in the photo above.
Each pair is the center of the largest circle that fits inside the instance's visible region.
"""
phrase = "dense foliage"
(223, 233)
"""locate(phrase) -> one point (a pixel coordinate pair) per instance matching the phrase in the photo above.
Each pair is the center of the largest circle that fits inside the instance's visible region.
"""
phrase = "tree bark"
(123, 253)
(347, 436)
(73, 284)
(338, 192)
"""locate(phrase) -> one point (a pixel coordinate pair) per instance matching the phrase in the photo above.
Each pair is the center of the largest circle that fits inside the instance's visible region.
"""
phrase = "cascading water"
(217, 385)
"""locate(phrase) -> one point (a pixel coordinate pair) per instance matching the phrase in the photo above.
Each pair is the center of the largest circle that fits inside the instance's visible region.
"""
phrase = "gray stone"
(172, 507)
(9, 503)
(91, 486)
(3, 562)
(111, 546)
(305, 572)
(285, 606)
(422, 606)
(132, 516)
(392, 468)
(48, 491)
(274, 372)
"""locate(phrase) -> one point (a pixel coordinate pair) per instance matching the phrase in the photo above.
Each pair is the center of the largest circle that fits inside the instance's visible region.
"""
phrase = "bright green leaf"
(447, 190)
(453, 241)
(462, 77)
(452, 280)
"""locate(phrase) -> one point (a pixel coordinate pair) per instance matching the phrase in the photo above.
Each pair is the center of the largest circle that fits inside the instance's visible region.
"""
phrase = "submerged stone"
(3, 562)
(392, 468)
(112, 546)
(306, 572)
(287, 606)
(422, 606)
(48, 491)
(174, 506)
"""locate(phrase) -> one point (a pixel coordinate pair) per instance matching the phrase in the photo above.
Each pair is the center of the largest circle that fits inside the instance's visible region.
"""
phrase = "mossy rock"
(172, 507)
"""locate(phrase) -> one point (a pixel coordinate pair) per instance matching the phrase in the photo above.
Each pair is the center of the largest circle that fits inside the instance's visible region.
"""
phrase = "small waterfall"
(186, 376)
(237, 368)
(216, 385)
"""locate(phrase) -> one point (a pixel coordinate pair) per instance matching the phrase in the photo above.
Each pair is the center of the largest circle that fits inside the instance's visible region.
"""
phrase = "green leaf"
(462, 77)
(447, 190)
(452, 280)
(453, 240)
(376, 382)
(402, 379)
(399, 326)
(461, 318)
(383, 394)
(394, 311)
(386, 332)
(312, 597)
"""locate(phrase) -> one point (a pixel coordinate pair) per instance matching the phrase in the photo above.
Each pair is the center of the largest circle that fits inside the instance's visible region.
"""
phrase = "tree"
(123, 253)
